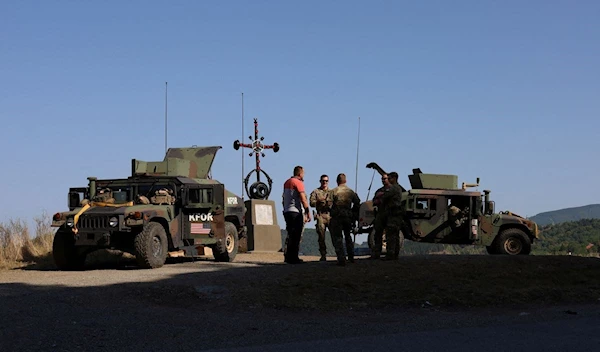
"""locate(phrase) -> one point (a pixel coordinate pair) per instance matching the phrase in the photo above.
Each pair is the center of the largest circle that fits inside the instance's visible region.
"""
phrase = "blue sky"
(506, 91)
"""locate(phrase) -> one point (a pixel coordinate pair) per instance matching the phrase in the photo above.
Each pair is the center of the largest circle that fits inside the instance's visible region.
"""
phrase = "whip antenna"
(165, 117)
(241, 139)
(370, 184)
(357, 148)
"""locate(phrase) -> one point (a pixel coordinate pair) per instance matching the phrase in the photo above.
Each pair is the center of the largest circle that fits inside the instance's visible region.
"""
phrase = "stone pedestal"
(264, 234)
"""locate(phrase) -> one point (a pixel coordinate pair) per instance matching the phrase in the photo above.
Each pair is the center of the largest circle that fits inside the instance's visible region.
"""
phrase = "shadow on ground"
(204, 304)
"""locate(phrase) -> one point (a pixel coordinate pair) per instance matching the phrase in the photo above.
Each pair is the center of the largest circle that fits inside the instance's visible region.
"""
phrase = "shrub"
(18, 248)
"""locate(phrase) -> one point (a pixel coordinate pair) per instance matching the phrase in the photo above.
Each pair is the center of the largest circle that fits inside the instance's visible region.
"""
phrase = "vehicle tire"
(151, 246)
(66, 256)
(512, 242)
(225, 251)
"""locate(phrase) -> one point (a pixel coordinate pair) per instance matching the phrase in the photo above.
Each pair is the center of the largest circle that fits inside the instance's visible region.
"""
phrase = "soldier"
(457, 214)
(344, 214)
(380, 217)
(321, 201)
(392, 202)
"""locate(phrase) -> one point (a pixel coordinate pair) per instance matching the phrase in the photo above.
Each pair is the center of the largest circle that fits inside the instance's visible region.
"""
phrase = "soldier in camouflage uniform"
(344, 214)
(392, 203)
(321, 201)
(380, 217)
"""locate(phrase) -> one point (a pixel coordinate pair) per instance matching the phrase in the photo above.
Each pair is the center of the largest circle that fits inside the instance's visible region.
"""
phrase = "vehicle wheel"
(151, 246)
(225, 251)
(66, 255)
(512, 242)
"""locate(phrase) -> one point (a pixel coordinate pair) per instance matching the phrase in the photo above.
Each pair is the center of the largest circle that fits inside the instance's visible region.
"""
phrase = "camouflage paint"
(194, 163)
(183, 169)
(435, 225)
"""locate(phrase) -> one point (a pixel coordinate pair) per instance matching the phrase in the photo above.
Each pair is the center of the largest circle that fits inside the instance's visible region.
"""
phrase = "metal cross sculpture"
(258, 190)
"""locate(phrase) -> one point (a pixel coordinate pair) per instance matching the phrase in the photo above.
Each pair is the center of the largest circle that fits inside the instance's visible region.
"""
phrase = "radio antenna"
(370, 184)
(357, 148)
(166, 117)
(242, 154)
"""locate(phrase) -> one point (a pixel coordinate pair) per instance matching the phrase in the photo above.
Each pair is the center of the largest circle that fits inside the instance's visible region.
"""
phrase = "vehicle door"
(427, 217)
(203, 211)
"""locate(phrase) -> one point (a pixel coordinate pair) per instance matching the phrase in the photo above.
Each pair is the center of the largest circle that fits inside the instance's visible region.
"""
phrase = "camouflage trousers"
(392, 235)
(391, 225)
(379, 225)
(323, 220)
(341, 227)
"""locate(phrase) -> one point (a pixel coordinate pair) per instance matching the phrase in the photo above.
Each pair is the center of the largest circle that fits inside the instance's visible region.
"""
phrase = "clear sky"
(503, 90)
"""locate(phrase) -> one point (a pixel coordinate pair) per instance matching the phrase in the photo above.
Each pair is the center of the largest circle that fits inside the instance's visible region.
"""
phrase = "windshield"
(132, 192)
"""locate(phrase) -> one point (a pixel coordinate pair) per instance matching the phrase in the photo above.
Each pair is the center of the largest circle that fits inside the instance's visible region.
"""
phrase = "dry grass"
(18, 248)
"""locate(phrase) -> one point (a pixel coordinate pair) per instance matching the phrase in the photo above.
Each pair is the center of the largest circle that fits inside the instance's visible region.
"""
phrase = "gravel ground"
(194, 306)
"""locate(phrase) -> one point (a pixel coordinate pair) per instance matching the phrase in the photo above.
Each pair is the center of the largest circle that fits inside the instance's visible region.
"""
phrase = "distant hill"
(580, 237)
(591, 211)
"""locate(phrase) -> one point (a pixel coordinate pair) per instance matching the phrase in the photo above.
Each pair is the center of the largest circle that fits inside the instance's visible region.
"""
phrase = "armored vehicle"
(438, 211)
(165, 208)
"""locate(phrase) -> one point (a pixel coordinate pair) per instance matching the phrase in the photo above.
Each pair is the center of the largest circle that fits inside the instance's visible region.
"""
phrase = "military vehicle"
(437, 211)
(165, 208)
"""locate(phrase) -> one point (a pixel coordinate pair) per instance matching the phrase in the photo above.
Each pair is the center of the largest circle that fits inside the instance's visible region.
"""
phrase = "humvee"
(437, 211)
(165, 208)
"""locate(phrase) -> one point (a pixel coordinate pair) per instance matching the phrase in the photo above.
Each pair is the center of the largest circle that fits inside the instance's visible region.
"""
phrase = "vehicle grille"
(93, 222)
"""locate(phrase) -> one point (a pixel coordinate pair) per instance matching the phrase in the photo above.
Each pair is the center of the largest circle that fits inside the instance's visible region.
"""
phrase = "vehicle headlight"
(70, 222)
(113, 222)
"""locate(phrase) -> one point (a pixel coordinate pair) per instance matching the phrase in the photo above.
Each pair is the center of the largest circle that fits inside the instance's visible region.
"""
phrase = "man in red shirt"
(294, 201)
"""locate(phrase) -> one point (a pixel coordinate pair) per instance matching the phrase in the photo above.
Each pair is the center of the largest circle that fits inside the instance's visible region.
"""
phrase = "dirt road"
(206, 305)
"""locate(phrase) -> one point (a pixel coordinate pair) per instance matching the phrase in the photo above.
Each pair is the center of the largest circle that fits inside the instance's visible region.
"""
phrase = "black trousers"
(294, 224)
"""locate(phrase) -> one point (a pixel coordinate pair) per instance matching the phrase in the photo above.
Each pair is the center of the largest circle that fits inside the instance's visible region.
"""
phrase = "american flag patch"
(200, 228)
